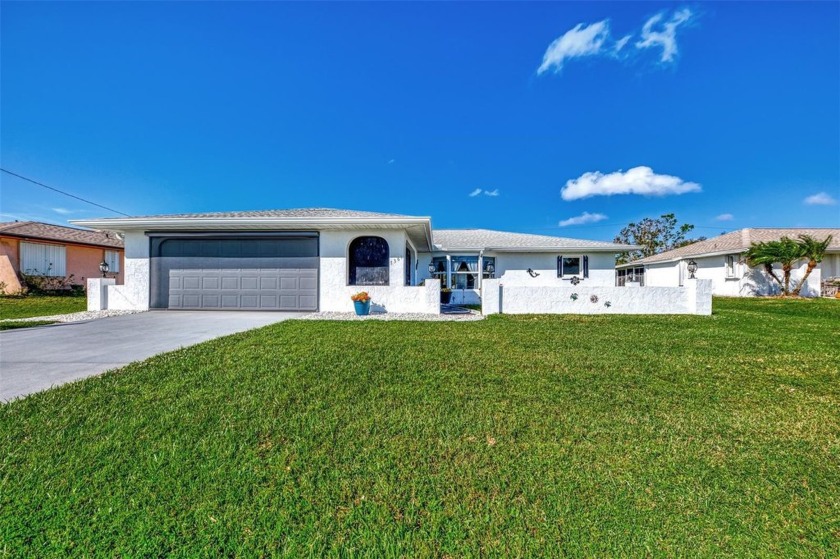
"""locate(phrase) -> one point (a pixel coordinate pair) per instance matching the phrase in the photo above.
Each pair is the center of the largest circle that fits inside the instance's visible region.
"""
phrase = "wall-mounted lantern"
(692, 268)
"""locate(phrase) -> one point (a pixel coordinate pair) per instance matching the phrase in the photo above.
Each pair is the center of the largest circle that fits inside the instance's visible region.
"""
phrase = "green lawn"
(24, 324)
(512, 436)
(41, 305)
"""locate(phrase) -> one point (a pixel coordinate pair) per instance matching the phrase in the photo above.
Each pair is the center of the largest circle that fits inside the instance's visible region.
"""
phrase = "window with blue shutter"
(572, 266)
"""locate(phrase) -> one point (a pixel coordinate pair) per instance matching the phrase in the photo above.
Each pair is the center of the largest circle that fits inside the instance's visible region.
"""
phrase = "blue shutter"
(585, 266)
(559, 266)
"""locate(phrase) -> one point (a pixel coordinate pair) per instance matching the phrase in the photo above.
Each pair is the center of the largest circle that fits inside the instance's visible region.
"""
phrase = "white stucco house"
(721, 260)
(314, 259)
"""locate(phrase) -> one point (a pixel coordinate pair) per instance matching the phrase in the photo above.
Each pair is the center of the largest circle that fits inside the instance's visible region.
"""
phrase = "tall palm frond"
(763, 254)
(814, 251)
(785, 251)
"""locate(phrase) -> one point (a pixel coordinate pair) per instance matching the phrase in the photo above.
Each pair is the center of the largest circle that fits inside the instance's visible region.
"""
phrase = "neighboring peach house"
(43, 249)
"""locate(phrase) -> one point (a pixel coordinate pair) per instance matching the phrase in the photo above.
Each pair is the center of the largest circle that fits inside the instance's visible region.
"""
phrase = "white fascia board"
(615, 249)
(179, 222)
(182, 223)
(638, 263)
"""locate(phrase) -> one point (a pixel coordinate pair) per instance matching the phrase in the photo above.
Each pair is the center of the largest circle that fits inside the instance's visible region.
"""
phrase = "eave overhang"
(419, 229)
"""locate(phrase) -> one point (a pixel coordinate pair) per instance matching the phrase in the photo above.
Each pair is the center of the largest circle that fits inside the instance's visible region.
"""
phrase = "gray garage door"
(235, 273)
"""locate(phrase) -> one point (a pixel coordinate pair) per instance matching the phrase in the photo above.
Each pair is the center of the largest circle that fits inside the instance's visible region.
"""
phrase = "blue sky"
(592, 115)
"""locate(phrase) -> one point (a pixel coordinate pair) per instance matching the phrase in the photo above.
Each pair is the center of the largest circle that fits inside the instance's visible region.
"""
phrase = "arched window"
(368, 260)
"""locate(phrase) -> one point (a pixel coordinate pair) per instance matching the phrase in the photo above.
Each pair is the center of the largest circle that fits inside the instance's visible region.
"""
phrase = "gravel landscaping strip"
(72, 317)
(392, 316)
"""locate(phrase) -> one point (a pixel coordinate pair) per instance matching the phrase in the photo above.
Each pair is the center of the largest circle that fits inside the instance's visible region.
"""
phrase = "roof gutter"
(683, 257)
(615, 249)
(60, 241)
(180, 223)
(140, 222)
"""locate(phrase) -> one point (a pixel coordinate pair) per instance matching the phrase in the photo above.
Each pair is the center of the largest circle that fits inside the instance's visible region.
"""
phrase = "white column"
(491, 297)
(449, 271)
(97, 293)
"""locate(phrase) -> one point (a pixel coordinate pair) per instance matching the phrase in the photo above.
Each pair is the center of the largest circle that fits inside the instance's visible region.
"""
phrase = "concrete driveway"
(35, 359)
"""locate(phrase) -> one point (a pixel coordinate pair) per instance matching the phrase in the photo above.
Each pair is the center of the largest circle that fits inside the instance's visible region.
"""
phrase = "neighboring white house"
(721, 259)
(314, 259)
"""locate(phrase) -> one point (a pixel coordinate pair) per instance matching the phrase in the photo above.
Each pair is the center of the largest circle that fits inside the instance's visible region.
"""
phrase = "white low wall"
(694, 298)
(133, 294)
(120, 298)
(424, 299)
(97, 293)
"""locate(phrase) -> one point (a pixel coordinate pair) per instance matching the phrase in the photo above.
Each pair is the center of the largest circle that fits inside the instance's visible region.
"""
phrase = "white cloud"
(725, 217)
(619, 44)
(391, 161)
(63, 211)
(582, 40)
(475, 192)
(665, 36)
(820, 199)
(479, 191)
(491, 192)
(583, 218)
(638, 180)
(595, 39)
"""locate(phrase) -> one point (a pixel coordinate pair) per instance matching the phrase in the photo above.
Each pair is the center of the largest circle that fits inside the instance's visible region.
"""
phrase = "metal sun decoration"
(594, 299)
(575, 280)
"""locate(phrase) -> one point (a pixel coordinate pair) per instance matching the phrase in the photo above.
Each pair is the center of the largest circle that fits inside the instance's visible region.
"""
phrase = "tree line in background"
(654, 235)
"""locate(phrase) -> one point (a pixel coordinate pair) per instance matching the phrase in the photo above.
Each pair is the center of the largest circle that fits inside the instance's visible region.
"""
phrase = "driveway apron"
(35, 359)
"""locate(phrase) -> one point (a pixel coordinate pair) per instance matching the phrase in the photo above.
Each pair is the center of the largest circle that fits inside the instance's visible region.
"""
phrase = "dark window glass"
(240, 248)
(369, 261)
(571, 266)
(464, 272)
(487, 262)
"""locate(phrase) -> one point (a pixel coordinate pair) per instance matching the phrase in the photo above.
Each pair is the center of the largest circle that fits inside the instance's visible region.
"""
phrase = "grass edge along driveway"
(552, 436)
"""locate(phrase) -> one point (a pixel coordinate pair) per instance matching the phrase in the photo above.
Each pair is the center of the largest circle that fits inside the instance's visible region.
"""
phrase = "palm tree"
(814, 251)
(785, 251)
(761, 254)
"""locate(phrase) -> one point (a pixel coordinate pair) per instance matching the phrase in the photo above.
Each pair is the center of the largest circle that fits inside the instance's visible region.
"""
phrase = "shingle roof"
(484, 239)
(739, 241)
(49, 232)
(312, 213)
